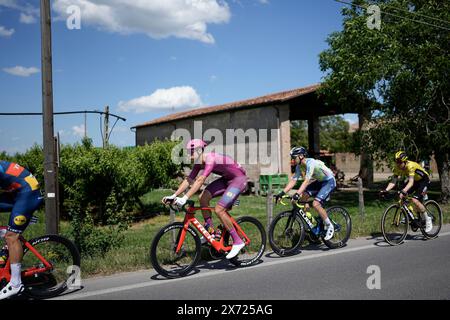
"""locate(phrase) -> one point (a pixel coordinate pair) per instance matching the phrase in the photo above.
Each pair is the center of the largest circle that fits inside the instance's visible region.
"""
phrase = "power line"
(395, 15)
(417, 13)
(57, 113)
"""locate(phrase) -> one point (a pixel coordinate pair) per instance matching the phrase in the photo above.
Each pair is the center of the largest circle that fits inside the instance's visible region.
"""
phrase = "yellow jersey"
(412, 169)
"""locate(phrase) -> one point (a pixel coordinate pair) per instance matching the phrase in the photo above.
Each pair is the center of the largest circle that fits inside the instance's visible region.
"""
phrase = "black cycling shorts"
(419, 188)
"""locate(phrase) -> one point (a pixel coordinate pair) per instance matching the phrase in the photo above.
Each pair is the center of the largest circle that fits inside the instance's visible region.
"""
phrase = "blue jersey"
(13, 178)
(315, 169)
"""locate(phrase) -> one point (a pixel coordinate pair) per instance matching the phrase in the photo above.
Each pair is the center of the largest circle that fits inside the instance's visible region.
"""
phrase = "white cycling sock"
(16, 279)
(327, 221)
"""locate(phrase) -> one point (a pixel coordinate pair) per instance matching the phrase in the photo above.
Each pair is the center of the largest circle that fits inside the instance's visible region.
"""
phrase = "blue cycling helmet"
(296, 151)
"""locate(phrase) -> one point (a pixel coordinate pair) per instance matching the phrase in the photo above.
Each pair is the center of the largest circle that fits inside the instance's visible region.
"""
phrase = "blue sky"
(142, 60)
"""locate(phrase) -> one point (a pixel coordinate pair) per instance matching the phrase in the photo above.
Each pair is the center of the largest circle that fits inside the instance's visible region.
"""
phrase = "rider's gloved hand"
(181, 201)
(279, 196)
(166, 199)
(296, 197)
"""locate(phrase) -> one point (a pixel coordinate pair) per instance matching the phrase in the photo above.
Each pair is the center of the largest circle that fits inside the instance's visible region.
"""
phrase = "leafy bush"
(102, 187)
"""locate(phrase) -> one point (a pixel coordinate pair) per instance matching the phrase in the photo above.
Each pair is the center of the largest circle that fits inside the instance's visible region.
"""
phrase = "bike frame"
(5, 271)
(403, 203)
(298, 209)
(217, 245)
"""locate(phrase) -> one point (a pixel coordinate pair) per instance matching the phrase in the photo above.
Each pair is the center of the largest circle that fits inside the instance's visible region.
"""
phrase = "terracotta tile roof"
(259, 101)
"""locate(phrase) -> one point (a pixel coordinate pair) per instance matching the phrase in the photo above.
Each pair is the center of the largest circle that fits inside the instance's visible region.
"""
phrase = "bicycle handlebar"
(170, 203)
(298, 203)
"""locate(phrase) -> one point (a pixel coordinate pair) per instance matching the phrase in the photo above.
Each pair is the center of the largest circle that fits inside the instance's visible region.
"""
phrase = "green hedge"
(103, 186)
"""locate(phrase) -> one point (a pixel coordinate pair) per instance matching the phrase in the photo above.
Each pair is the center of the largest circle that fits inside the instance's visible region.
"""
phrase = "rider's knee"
(219, 209)
(205, 198)
(316, 204)
(11, 237)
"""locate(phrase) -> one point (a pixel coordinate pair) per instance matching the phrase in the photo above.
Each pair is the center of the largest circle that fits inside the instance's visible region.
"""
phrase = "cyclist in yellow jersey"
(418, 181)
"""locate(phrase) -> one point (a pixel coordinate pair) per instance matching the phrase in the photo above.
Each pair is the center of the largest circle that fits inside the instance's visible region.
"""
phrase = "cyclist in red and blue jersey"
(319, 182)
(232, 183)
(20, 195)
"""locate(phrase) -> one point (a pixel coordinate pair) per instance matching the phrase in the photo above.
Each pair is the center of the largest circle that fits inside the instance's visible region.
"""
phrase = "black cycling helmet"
(296, 151)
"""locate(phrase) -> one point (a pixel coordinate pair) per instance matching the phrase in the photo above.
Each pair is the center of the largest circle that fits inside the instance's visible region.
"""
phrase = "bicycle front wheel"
(394, 225)
(64, 258)
(342, 224)
(163, 252)
(255, 247)
(434, 211)
(286, 233)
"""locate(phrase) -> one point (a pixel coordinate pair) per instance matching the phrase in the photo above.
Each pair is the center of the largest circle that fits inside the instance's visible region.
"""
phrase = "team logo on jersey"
(20, 220)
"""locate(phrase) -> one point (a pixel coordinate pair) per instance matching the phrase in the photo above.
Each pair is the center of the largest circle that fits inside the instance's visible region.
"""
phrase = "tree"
(398, 77)
(334, 134)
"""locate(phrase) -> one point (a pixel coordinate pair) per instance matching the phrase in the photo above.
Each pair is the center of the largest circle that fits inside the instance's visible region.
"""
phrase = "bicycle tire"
(162, 251)
(436, 217)
(288, 242)
(52, 283)
(337, 241)
(400, 220)
(253, 251)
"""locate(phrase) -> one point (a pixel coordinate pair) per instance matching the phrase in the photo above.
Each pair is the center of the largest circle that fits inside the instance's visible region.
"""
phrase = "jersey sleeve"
(310, 166)
(194, 172)
(209, 165)
(411, 170)
(297, 175)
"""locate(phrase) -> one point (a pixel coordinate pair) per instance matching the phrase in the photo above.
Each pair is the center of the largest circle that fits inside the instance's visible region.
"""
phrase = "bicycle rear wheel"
(394, 225)
(163, 256)
(64, 257)
(253, 249)
(286, 233)
(342, 223)
(435, 212)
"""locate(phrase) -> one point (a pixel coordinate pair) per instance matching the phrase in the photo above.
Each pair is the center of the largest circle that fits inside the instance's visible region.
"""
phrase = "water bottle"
(311, 218)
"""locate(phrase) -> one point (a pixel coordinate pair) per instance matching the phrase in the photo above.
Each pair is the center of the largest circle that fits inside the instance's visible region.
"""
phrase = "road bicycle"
(50, 265)
(176, 248)
(288, 229)
(397, 217)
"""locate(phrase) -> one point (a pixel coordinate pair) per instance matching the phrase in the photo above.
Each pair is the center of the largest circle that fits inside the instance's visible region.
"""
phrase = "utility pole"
(106, 128)
(50, 168)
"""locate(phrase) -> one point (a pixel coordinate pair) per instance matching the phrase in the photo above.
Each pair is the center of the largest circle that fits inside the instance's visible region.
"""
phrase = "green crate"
(275, 181)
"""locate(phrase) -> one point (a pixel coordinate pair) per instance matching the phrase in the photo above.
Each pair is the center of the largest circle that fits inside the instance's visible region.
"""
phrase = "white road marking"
(215, 273)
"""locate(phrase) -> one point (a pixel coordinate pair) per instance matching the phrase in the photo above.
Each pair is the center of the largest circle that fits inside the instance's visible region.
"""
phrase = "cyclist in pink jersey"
(230, 185)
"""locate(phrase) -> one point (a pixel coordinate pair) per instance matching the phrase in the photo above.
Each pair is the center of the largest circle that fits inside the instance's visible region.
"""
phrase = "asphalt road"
(417, 269)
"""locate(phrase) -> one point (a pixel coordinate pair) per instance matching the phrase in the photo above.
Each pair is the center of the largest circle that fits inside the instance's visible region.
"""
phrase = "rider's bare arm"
(183, 187)
(409, 185)
(392, 184)
(303, 186)
(196, 186)
(289, 186)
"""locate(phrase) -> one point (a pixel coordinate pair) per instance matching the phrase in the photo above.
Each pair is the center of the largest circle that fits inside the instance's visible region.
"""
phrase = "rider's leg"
(26, 203)
(417, 201)
(322, 196)
(205, 198)
(214, 189)
(15, 257)
(235, 187)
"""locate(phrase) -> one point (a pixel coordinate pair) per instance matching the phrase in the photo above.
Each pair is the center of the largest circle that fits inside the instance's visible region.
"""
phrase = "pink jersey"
(219, 164)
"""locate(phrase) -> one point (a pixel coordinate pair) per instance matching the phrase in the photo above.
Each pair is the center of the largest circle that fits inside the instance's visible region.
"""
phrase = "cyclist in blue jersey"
(20, 195)
(318, 182)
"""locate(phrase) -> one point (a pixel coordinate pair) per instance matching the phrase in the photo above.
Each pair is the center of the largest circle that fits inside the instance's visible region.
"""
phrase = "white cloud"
(158, 19)
(27, 18)
(172, 99)
(6, 32)
(21, 71)
(78, 130)
(30, 12)
(264, 1)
